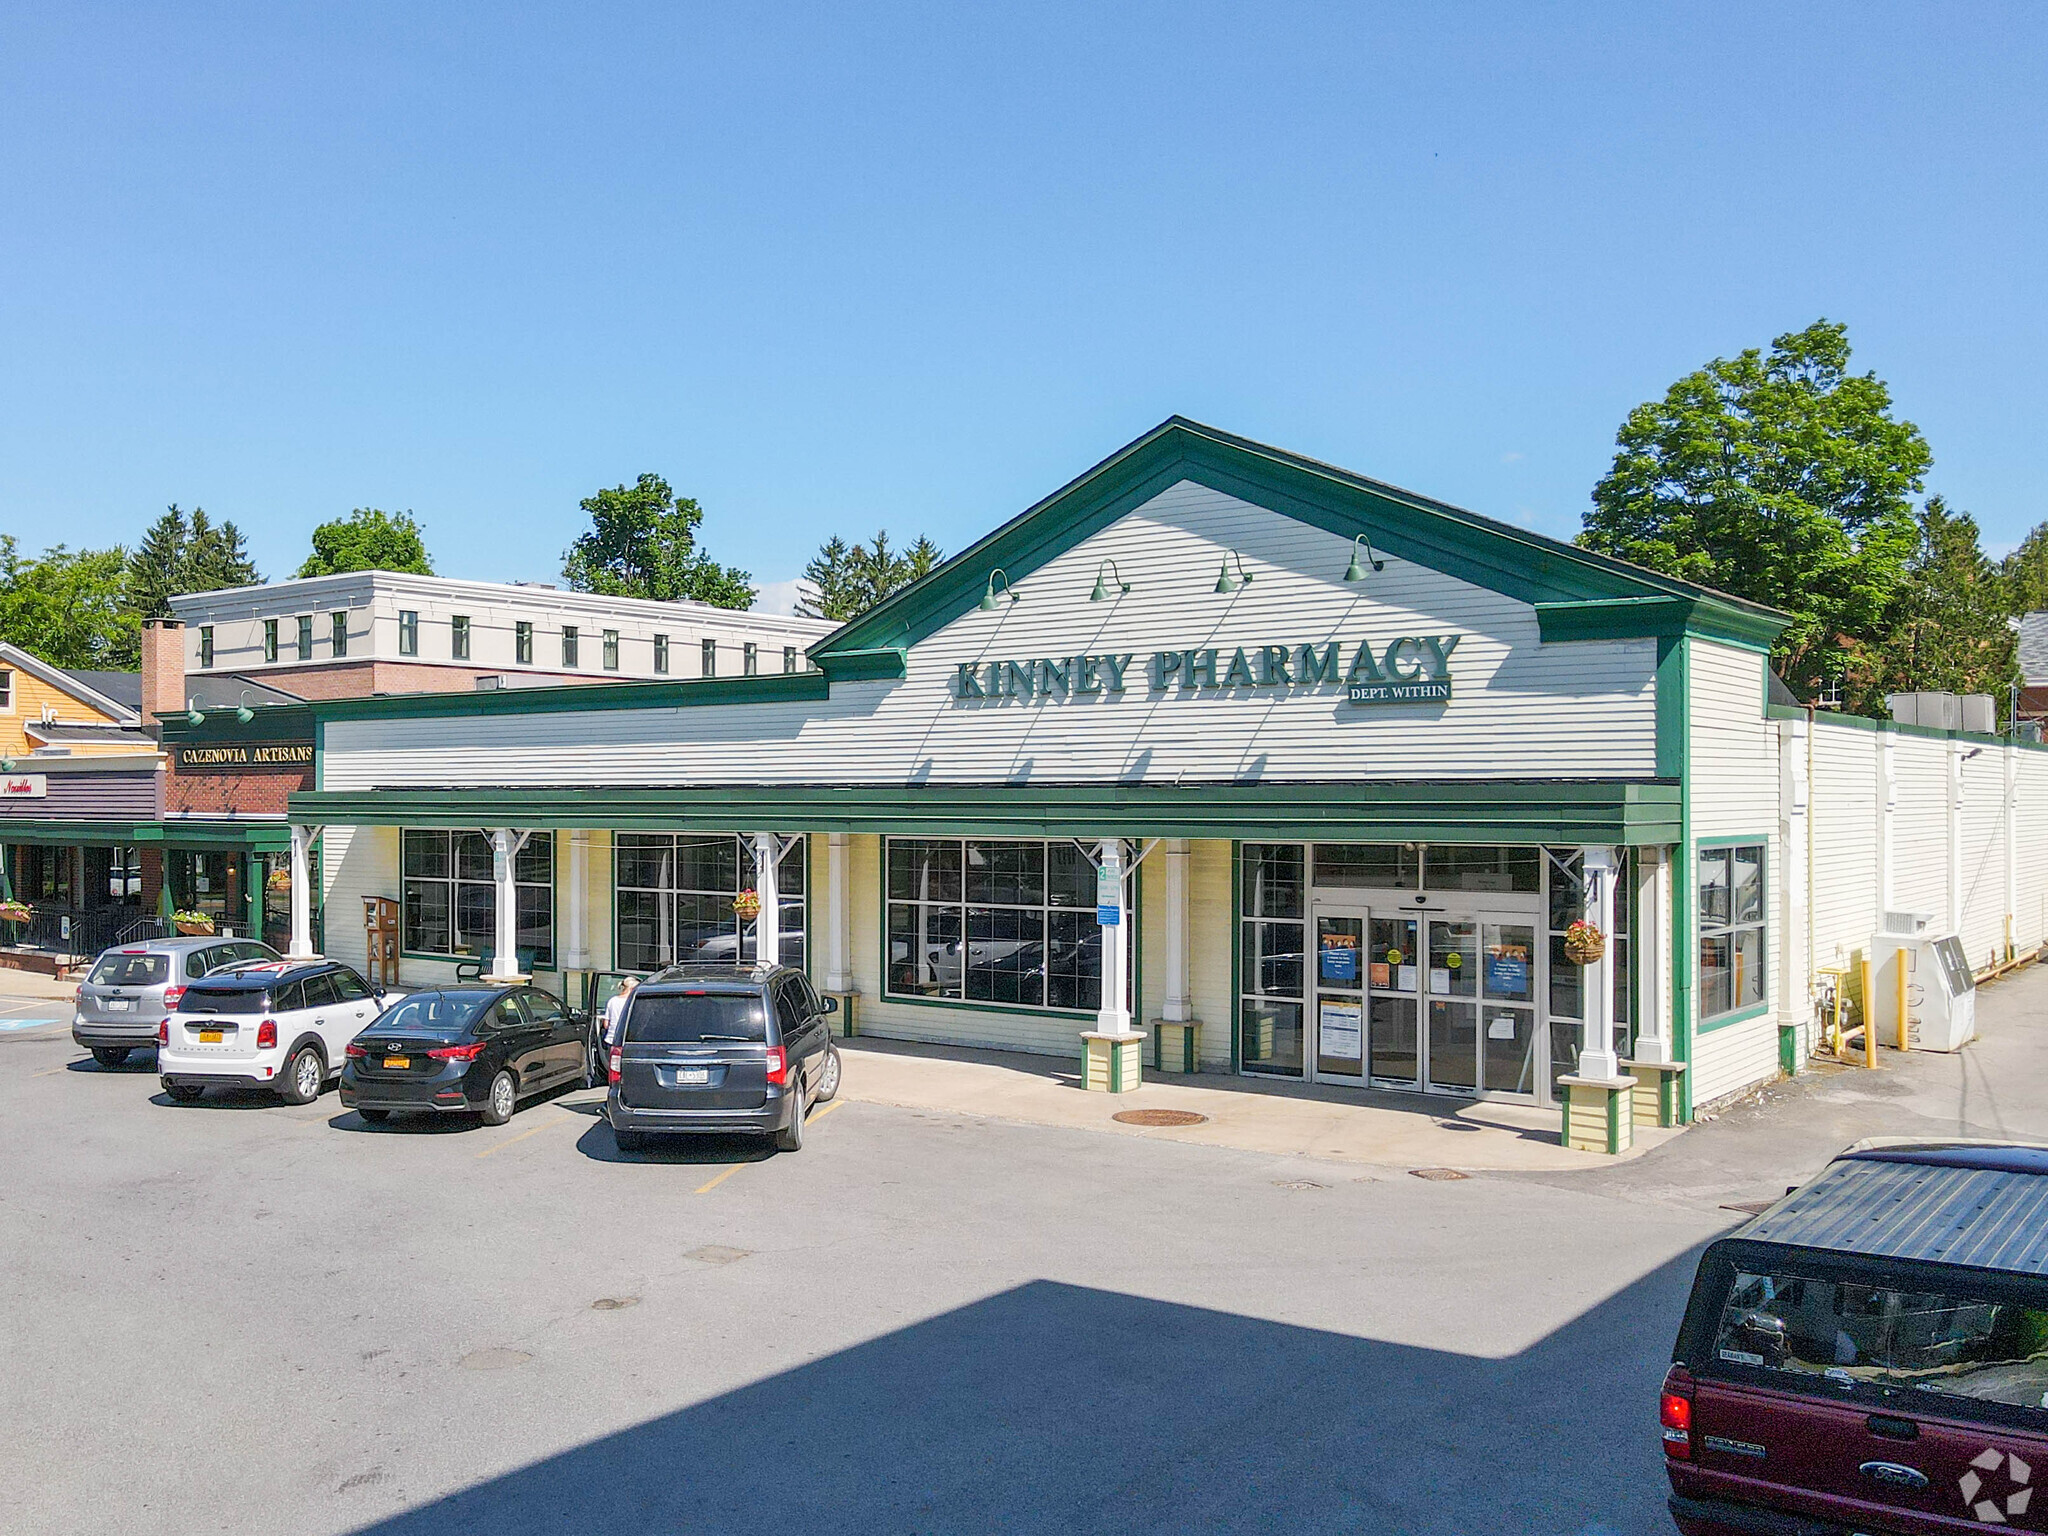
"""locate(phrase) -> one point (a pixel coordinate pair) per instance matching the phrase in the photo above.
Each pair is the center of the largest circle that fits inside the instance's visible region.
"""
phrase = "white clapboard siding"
(2030, 919)
(1519, 708)
(1982, 832)
(1843, 797)
(1920, 826)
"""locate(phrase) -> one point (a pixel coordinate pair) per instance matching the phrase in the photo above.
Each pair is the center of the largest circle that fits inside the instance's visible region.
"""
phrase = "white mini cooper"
(280, 1024)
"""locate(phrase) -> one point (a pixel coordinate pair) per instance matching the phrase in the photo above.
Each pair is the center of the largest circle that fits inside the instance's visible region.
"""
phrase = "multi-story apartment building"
(380, 632)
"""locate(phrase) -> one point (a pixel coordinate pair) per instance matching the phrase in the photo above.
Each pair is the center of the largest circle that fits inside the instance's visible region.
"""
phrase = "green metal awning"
(247, 836)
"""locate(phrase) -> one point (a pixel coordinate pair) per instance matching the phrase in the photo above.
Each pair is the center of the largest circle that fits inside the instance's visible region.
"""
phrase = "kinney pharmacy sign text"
(1410, 669)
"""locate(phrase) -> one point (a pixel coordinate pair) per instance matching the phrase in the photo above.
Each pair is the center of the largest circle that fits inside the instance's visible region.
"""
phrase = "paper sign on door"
(1341, 1026)
(1501, 1027)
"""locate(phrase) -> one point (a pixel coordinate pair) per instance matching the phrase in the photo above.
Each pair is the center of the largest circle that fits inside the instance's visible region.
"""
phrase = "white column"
(1596, 1034)
(768, 926)
(1954, 914)
(1795, 922)
(505, 846)
(1653, 903)
(1113, 1017)
(1887, 807)
(2008, 938)
(1179, 1004)
(302, 892)
(838, 915)
(576, 956)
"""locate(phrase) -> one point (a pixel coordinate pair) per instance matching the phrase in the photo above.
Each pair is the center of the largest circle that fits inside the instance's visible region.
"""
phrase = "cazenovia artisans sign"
(279, 754)
(1409, 669)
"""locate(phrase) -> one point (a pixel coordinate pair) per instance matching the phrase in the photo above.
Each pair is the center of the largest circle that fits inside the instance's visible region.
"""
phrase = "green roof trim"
(1498, 556)
(1490, 811)
(883, 663)
(1660, 618)
(255, 836)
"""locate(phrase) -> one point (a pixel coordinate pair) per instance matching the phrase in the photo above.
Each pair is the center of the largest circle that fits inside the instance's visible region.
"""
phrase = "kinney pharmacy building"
(1217, 759)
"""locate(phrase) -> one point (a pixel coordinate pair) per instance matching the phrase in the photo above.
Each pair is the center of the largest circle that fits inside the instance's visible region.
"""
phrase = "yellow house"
(48, 709)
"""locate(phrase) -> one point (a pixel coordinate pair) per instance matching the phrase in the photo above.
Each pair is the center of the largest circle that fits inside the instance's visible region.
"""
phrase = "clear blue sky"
(914, 266)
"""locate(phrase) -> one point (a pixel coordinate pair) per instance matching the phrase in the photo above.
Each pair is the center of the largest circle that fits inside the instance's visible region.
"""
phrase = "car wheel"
(375, 1116)
(502, 1100)
(110, 1056)
(828, 1077)
(630, 1141)
(791, 1137)
(303, 1077)
(184, 1093)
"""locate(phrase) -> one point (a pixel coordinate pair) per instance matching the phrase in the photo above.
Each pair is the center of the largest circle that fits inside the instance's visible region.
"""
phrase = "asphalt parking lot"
(239, 1316)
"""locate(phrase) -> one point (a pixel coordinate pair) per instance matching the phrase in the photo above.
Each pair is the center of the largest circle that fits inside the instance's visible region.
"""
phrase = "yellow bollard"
(1869, 1013)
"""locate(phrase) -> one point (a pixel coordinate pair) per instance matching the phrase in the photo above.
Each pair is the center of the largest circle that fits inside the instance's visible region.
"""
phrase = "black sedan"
(467, 1050)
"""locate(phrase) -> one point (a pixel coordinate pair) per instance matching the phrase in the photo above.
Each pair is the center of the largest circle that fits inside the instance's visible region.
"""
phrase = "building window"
(206, 645)
(568, 645)
(305, 637)
(339, 624)
(789, 658)
(611, 650)
(522, 644)
(675, 899)
(661, 653)
(1732, 946)
(450, 905)
(270, 639)
(711, 658)
(458, 637)
(1009, 923)
(750, 659)
(6, 689)
(408, 632)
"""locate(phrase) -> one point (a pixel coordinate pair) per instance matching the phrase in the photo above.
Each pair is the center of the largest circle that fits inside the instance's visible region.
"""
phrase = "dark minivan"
(712, 1048)
(1870, 1355)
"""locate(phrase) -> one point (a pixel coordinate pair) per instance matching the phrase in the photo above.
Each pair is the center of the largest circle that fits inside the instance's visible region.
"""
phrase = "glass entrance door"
(1340, 995)
(1394, 972)
(1482, 1004)
(1453, 985)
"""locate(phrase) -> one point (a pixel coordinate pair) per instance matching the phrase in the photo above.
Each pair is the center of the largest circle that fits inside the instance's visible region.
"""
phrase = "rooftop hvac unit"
(1942, 711)
(1980, 714)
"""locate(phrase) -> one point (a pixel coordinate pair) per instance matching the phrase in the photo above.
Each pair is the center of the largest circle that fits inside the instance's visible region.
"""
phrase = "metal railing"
(80, 933)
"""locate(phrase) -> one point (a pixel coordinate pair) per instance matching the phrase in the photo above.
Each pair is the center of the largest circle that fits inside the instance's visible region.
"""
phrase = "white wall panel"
(1920, 826)
(1983, 856)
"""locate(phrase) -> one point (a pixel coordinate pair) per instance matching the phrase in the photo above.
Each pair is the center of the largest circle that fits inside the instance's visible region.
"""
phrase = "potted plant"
(748, 905)
(1583, 943)
(193, 925)
(14, 911)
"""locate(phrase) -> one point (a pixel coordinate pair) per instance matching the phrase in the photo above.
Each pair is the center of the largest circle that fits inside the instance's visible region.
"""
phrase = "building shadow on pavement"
(1059, 1408)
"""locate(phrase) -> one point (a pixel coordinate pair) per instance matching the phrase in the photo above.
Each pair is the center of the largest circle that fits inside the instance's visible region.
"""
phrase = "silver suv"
(132, 988)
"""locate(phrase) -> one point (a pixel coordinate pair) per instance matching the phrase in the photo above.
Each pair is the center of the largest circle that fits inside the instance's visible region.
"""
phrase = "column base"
(846, 1022)
(1176, 1045)
(1599, 1113)
(1656, 1097)
(1112, 1063)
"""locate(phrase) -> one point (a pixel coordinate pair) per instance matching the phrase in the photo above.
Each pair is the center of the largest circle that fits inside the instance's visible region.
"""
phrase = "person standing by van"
(615, 1010)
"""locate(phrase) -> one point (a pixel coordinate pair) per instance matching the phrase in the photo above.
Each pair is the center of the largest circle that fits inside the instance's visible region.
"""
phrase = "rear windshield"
(118, 970)
(225, 1000)
(1946, 1343)
(435, 1012)
(685, 1018)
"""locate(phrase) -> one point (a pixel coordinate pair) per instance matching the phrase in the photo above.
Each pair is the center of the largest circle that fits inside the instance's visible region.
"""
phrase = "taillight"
(171, 996)
(778, 1066)
(1674, 1412)
(354, 1052)
(612, 1072)
(163, 1033)
(266, 1035)
(456, 1052)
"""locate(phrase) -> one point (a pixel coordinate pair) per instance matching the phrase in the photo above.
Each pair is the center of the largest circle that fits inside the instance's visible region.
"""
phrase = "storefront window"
(1010, 923)
(675, 894)
(1368, 866)
(450, 905)
(1484, 868)
(1732, 941)
(1270, 970)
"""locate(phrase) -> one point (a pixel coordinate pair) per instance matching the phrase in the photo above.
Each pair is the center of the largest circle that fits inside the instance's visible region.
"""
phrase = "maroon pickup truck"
(1869, 1357)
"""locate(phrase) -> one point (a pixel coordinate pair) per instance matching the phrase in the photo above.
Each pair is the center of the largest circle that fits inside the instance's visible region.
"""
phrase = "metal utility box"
(1940, 993)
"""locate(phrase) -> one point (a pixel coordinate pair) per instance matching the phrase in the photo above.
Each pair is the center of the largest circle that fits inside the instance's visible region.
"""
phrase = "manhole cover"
(1158, 1117)
(494, 1359)
(1298, 1184)
(1438, 1173)
(614, 1303)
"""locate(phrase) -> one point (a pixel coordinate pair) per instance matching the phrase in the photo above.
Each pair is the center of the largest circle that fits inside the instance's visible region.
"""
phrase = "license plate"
(692, 1077)
(397, 1063)
(210, 1037)
(120, 1005)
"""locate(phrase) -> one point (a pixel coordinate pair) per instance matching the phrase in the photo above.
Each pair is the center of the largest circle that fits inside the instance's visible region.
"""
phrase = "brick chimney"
(163, 669)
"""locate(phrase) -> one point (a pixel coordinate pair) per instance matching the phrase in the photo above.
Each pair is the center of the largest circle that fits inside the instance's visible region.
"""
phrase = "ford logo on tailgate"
(1894, 1474)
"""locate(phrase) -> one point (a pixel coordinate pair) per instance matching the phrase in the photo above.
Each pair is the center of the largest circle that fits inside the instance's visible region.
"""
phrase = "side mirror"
(378, 993)
(829, 1004)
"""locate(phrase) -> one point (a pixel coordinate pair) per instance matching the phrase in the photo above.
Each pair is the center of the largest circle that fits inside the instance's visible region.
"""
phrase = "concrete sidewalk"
(1283, 1119)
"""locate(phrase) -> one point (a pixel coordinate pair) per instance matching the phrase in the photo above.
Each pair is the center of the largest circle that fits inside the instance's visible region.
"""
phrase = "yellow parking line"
(816, 1115)
(52, 1072)
(543, 1126)
(705, 1189)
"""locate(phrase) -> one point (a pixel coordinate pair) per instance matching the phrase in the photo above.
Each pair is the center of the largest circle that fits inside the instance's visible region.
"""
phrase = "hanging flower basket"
(748, 905)
(193, 925)
(1584, 944)
(279, 880)
(14, 912)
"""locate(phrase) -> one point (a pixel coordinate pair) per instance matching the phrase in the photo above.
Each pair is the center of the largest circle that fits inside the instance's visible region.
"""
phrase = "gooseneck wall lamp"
(1101, 590)
(988, 598)
(1225, 581)
(1355, 571)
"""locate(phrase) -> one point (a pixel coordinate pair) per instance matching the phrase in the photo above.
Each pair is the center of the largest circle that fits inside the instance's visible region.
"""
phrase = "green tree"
(2024, 573)
(69, 607)
(1948, 629)
(1782, 478)
(369, 540)
(183, 553)
(643, 543)
(846, 580)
